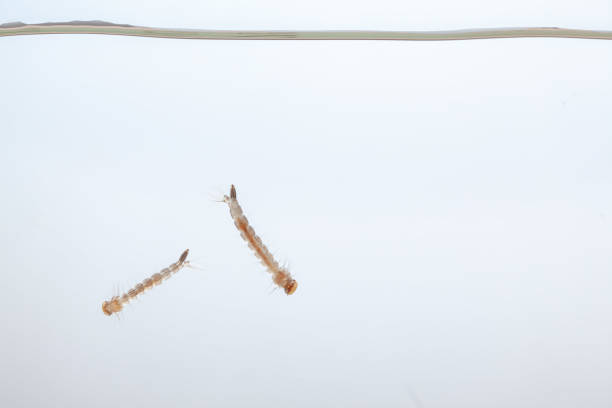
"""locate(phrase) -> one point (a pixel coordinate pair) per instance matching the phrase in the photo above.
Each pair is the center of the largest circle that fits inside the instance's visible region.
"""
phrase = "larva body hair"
(280, 275)
(115, 304)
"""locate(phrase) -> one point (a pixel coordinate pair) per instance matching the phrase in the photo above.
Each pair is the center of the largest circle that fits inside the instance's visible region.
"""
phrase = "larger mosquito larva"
(116, 303)
(280, 275)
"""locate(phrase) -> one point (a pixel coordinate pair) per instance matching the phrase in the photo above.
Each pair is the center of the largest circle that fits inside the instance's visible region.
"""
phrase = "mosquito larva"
(280, 275)
(116, 303)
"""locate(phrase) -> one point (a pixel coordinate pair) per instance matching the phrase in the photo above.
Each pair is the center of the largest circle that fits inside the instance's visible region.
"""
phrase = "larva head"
(290, 286)
(111, 306)
(233, 192)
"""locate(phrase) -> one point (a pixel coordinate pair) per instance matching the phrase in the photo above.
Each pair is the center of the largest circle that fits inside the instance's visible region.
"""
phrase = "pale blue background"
(446, 208)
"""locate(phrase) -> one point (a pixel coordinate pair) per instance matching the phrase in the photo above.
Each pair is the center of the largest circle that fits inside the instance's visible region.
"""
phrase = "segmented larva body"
(280, 275)
(116, 303)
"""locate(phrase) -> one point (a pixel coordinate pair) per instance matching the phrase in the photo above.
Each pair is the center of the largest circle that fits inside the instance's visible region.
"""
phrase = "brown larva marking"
(115, 304)
(280, 275)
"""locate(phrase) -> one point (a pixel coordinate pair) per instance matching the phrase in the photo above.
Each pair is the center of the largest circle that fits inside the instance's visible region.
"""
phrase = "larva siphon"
(116, 303)
(280, 275)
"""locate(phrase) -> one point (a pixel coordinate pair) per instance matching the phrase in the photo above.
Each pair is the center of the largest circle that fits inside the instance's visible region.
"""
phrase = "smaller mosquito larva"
(280, 275)
(116, 303)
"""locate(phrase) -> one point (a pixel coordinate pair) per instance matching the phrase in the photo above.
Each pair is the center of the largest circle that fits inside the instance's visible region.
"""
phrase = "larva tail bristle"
(233, 192)
(190, 265)
(183, 256)
(217, 195)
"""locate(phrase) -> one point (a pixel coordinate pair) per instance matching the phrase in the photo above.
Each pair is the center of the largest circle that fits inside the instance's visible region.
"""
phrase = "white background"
(445, 207)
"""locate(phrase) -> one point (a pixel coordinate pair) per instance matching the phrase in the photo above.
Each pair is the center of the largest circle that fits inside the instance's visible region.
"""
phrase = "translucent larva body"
(280, 275)
(116, 303)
